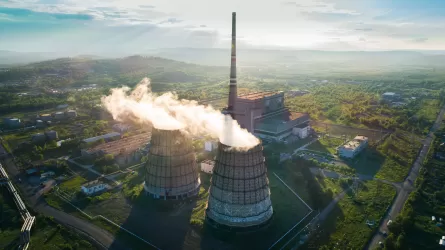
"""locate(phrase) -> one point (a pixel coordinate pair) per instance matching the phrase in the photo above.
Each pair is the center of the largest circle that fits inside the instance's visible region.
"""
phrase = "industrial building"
(106, 137)
(171, 171)
(51, 135)
(265, 115)
(353, 148)
(125, 150)
(239, 194)
(45, 117)
(12, 122)
(93, 187)
(59, 115)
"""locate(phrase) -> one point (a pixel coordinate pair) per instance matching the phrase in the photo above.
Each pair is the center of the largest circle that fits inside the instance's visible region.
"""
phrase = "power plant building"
(239, 194)
(171, 171)
(265, 115)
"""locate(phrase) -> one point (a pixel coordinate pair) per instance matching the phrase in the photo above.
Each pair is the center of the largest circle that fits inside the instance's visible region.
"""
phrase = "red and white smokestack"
(233, 87)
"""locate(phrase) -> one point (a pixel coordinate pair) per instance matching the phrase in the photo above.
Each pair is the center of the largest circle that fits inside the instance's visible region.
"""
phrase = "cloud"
(171, 20)
(419, 40)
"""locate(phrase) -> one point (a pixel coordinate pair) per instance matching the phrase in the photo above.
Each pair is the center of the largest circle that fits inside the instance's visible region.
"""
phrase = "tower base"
(225, 228)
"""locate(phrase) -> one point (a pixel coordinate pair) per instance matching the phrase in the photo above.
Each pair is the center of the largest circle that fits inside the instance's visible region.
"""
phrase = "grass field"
(346, 225)
(326, 145)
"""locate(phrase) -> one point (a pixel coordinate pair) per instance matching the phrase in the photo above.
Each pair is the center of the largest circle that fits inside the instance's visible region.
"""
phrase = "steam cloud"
(166, 111)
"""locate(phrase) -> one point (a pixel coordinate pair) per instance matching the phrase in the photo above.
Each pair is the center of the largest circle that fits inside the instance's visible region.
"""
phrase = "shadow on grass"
(369, 162)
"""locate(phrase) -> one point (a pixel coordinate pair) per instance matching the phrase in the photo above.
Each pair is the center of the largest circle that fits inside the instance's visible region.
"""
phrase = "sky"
(138, 26)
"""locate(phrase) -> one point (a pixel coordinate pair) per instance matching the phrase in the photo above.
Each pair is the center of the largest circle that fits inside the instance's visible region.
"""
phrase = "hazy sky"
(135, 26)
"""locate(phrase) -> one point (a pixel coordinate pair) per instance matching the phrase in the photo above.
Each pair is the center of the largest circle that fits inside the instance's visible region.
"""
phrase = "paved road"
(407, 186)
(99, 235)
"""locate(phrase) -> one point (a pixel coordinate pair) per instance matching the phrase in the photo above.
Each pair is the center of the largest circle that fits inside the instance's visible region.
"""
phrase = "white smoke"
(166, 111)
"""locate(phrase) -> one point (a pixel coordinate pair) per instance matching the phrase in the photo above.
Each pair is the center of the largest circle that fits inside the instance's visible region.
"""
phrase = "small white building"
(207, 166)
(93, 187)
(302, 131)
(354, 147)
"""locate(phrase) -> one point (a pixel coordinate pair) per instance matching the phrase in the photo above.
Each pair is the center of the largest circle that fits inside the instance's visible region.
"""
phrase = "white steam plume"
(168, 112)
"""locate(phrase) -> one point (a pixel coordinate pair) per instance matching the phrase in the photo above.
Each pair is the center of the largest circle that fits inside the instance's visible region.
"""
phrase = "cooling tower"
(171, 171)
(239, 193)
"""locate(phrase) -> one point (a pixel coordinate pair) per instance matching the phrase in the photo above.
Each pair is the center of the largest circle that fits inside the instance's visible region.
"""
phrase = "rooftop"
(354, 144)
(258, 95)
(279, 122)
(122, 146)
(105, 136)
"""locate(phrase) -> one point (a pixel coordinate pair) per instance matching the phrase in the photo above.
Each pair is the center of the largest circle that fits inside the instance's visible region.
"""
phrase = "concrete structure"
(59, 115)
(71, 114)
(106, 137)
(38, 137)
(239, 193)
(51, 135)
(207, 166)
(264, 115)
(45, 117)
(302, 130)
(93, 187)
(40, 124)
(12, 122)
(171, 171)
(353, 148)
(125, 150)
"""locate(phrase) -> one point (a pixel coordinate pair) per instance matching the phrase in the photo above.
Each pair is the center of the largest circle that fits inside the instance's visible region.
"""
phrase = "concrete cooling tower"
(239, 193)
(171, 171)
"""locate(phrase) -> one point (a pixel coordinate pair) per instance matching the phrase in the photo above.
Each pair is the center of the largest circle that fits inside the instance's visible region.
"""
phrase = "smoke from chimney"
(167, 112)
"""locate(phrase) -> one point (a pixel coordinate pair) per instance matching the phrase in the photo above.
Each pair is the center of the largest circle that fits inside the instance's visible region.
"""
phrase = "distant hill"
(85, 70)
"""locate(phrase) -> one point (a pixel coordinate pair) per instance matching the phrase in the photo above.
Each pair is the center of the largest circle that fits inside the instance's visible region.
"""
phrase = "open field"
(184, 219)
(326, 145)
(346, 225)
(347, 131)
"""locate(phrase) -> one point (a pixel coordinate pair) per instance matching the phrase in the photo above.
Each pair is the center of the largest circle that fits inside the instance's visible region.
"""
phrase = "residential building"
(264, 115)
(353, 148)
(207, 166)
(39, 137)
(45, 117)
(93, 187)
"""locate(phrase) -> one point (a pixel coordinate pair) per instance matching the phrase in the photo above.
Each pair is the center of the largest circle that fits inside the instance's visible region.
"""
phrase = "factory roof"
(282, 121)
(258, 95)
(105, 136)
(122, 146)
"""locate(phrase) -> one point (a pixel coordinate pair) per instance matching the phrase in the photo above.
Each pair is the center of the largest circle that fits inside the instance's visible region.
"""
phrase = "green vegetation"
(326, 145)
(45, 233)
(346, 225)
(414, 227)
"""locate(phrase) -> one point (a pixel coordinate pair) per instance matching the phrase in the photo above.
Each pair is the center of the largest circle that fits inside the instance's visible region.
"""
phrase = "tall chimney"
(233, 90)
